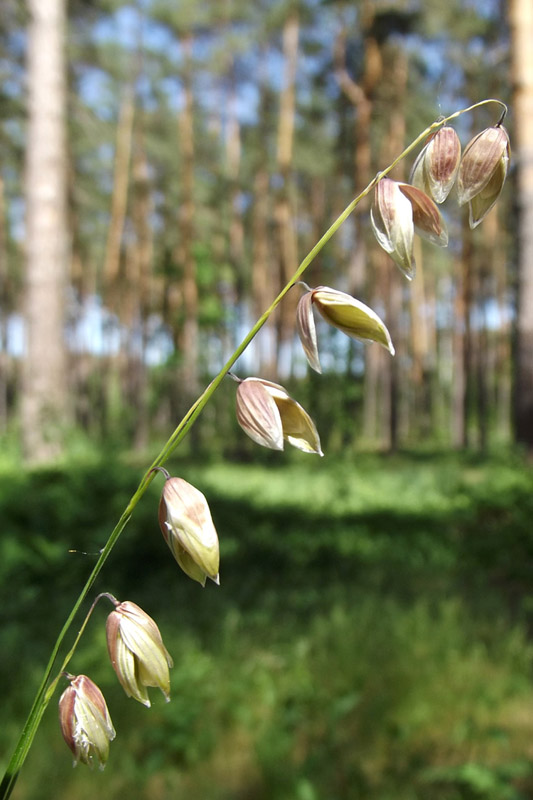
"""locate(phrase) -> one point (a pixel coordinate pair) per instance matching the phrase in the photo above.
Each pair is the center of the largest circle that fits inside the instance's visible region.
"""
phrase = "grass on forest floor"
(369, 638)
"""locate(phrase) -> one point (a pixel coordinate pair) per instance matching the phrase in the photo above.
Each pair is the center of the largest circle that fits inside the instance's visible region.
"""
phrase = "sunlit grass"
(372, 700)
(369, 638)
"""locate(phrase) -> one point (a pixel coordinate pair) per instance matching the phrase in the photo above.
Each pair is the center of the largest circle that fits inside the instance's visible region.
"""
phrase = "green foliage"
(366, 700)
(369, 638)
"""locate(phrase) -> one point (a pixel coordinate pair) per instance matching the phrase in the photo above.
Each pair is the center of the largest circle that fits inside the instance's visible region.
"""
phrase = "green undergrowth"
(370, 637)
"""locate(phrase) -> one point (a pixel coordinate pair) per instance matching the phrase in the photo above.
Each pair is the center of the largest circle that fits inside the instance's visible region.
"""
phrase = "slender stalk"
(48, 685)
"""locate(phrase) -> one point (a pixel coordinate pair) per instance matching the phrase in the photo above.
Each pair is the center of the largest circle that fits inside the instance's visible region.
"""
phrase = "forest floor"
(371, 637)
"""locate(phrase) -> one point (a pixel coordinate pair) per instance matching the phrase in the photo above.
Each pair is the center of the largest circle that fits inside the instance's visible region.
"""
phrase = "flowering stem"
(48, 685)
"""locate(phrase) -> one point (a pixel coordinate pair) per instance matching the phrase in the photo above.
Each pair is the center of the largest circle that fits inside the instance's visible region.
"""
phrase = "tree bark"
(119, 198)
(263, 286)
(502, 356)
(4, 305)
(457, 418)
(284, 211)
(521, 21)
(44, 398)
(394, 144)
(185, 255)
(360, 96)
(463, 357)
(420, 377)
(142, 211)
(233, 148)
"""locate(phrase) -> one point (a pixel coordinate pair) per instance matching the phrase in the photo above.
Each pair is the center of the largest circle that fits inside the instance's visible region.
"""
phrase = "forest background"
(371, 636)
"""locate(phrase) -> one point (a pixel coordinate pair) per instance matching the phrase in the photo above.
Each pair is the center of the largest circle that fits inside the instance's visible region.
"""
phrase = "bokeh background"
(164, 167)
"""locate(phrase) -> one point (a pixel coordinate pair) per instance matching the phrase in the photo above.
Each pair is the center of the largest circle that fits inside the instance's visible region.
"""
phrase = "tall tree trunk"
(233, 167)
(262, 288)
(377, 393)
(284, 211)
(4, 305)
(492, 373)
(480, 355)
(462, 401)
(185, 254)
(263, 285)
(44, 397)
(360, 96)
(233, 232)
(394, 144)
(119, 197)
(521, 20)
(116, 288)
(420, 378)
(457, 416)
(142, 211)
(502, 357)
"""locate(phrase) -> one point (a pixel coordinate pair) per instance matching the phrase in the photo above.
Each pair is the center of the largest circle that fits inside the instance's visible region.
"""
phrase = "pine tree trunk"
(420, 378)
(119, 198)
(142, 211)
(116, 288)
(360, 94)
(457, 420)
(464, 343)
(233, 167)
(394, 144)
(376, 379)
(4, 305)
(492, 372)
(502, 355)
(284, 212)
(185, 256)
(263, 285)
(480, 373)
(521, 20)
(377, 383)
(44, 398)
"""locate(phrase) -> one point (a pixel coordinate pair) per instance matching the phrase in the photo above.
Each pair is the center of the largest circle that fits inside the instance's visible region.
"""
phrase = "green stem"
(48, 685)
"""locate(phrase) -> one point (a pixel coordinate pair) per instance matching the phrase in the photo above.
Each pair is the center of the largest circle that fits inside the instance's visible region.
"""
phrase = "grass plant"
(369, 652)
(395, 213)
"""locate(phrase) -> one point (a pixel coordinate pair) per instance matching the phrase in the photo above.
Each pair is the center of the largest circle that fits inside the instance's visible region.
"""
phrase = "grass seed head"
(483, 172)
(85, 722)
(186, 523)
(437, 165)
(137, 652)
(391, 216)
(349, 315)
(269, 416)
(427, 218)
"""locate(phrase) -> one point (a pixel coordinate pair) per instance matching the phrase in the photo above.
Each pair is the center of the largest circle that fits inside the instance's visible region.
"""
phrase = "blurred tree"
(284, 211)
(247, 129)
(521, 19)
(185, 255)
(13, 20)
(44, 402)
(4, 305)
(263, 287)
(119, 196)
